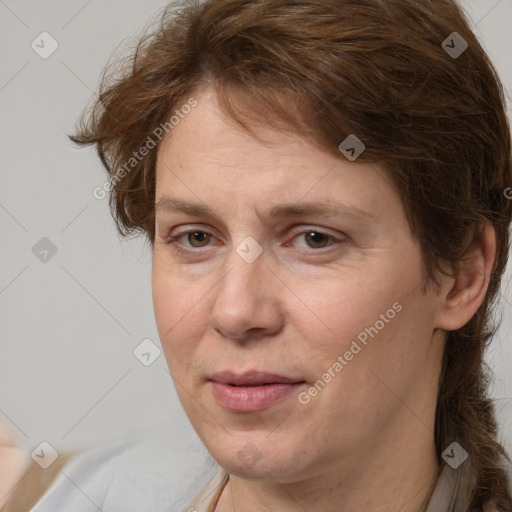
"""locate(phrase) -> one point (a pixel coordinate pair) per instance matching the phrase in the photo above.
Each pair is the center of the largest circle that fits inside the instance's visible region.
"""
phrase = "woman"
(323, 185)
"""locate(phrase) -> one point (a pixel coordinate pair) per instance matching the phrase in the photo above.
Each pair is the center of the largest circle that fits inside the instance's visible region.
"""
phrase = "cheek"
(181, 318)
(353, 326)
(380, 350)
(336, 312)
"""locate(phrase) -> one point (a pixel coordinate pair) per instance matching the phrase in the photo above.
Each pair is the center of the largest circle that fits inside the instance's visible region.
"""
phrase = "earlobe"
(463, 294)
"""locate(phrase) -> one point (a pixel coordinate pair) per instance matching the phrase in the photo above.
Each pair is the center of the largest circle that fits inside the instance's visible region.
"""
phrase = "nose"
(247, 303)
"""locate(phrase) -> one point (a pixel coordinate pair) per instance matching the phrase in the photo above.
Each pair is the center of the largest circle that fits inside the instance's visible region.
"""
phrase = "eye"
(197, 238)
(316, 239)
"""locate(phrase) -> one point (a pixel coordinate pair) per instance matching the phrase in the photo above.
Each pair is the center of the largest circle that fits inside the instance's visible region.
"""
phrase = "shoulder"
(142, 473)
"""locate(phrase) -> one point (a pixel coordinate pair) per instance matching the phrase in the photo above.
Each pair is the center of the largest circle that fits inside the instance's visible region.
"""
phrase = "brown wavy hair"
(326, 69)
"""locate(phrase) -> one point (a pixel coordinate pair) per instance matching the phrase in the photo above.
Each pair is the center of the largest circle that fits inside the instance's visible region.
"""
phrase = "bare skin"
(13, 462)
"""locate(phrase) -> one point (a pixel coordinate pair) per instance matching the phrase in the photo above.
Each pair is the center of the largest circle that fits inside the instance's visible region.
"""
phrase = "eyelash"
(173, 240)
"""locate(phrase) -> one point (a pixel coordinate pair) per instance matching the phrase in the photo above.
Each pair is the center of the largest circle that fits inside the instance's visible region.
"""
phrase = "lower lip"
(251, 398)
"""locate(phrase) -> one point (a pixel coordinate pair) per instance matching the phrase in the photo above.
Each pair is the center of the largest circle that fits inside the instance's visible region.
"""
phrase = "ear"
(463, 294)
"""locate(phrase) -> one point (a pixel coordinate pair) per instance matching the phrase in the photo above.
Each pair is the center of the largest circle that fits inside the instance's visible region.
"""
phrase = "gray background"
(68, 326)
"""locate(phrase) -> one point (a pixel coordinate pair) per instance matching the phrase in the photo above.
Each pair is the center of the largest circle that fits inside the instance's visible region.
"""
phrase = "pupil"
(317, 238)
(198, 236)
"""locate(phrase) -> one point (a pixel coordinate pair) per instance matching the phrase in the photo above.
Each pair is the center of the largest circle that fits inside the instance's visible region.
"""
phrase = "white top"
(150, 473)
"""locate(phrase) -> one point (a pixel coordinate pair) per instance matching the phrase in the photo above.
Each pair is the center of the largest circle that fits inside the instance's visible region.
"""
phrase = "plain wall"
(68, 326)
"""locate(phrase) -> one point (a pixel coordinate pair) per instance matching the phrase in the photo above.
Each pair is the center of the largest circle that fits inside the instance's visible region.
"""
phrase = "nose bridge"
(241, 286)
(244, 300)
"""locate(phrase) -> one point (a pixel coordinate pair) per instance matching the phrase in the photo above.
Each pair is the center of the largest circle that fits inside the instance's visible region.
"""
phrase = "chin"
(254, 458)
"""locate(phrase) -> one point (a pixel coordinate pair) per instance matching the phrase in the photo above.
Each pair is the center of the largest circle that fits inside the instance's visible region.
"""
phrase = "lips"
(251, 391)
(252, 378)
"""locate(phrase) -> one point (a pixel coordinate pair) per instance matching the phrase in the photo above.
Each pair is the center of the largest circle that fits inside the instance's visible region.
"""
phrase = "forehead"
(206, 131)
(207, 157)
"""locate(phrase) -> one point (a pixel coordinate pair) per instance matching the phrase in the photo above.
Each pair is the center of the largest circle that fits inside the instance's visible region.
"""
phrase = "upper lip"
(252, 378)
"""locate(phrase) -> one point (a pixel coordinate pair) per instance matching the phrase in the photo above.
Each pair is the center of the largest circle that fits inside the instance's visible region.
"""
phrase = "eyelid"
(324, 231)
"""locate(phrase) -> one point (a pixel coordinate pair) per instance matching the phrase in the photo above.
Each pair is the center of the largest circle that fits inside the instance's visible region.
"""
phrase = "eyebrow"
(325, 207)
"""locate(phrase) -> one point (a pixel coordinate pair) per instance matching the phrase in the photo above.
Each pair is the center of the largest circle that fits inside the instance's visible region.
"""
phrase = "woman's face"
(293, 274)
